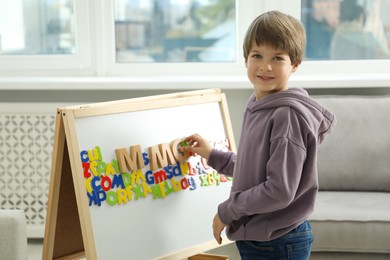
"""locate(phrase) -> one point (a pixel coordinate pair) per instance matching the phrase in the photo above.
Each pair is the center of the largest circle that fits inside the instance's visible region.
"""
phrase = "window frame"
(96, 59)
(52, 64)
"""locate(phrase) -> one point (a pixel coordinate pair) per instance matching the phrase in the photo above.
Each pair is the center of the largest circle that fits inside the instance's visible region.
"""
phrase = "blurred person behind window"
(320, 20)
(354, 37)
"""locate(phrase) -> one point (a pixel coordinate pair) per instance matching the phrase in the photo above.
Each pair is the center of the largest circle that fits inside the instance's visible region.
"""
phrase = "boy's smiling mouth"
(265, 78)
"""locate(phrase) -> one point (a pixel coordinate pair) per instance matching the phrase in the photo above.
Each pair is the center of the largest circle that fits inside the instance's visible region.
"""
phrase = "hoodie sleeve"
(284, 170)
(286, 154)
(223, 162)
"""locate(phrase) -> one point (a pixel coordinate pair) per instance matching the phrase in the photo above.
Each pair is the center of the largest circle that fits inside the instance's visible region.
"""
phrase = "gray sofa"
(352, 215)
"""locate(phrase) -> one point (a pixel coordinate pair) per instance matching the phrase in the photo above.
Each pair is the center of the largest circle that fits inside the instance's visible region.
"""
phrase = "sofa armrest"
(13, 235)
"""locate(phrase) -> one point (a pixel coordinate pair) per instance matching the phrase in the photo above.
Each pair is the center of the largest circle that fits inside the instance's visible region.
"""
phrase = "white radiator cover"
(26, 147)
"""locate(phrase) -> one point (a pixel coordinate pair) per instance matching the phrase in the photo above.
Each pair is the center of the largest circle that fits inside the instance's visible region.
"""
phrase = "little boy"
(274, 173)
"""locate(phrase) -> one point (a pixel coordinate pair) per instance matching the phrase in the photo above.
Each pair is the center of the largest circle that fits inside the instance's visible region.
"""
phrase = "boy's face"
(268, 69)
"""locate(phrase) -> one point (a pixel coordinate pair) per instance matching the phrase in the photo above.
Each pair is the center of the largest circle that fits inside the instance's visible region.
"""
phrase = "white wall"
(236, 97)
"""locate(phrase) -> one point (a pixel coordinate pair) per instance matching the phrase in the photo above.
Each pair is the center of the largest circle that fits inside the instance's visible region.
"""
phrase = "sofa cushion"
(13, 236)
(351, 222)
(356, 155)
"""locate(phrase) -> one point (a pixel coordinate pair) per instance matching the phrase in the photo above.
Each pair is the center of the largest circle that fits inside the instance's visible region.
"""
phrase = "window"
(347, 29)
(176, 39)
(175, 31)
(184, 42)
(45, 37)
(37, 27)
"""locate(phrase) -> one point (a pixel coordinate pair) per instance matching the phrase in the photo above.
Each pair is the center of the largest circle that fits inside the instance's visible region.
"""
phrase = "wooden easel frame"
(68, 228)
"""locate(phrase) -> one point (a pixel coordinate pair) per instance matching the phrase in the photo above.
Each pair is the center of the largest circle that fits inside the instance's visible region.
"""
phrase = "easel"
(68, 230)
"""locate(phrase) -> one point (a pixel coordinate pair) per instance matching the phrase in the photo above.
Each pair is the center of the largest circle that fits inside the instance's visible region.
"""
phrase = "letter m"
(160, 176)
(130, 162)
(160, 156)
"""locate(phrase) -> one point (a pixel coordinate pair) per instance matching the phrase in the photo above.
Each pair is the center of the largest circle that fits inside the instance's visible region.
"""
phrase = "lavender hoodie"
(275, 178)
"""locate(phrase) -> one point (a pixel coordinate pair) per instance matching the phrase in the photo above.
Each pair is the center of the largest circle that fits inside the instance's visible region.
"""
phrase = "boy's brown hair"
(279, 30)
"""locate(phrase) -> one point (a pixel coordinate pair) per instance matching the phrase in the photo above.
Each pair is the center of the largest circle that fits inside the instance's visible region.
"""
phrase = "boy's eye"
(278, 58)
(256, 56)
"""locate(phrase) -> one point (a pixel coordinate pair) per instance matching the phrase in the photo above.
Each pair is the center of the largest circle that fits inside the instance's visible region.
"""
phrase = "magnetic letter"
(160, 156)
(105, 182)
(184, 183)
(130, 162)
(117, 181)
(122, 196)
(93, 182)
(95, 154)
(112, 198)
(160, 176)
(203, 178)
(84, 156)
(210, 178)
(175, 185)
(180, 157)
(87, 174)
(137, 191)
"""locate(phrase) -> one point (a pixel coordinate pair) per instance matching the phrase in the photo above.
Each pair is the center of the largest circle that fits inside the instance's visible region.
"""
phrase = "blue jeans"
(295, 245)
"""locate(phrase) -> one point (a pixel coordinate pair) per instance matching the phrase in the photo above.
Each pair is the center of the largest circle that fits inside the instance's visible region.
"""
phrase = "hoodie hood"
(321, 120)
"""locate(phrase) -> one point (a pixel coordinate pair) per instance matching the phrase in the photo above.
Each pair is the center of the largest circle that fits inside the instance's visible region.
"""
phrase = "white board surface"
(149, 228)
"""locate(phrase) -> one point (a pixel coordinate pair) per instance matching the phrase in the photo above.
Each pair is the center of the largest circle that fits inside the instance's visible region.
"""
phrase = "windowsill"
(186, 82)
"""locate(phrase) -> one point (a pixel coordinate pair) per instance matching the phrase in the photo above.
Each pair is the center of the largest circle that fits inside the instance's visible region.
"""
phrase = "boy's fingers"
(189, 150)
(218, 238)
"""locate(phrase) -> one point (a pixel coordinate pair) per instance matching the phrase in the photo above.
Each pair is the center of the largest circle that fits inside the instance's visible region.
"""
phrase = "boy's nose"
(265, 66)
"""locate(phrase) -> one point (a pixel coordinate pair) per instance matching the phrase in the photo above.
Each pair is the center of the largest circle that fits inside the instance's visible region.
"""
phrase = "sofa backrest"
(356, 155)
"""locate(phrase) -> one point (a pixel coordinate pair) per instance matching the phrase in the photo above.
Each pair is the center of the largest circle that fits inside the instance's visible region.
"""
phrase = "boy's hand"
(218, 227)
(197, 145)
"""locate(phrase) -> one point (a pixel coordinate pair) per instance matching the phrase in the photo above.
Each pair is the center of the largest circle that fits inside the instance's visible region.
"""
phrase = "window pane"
(175, 30)
(37, 27)
(347, 29)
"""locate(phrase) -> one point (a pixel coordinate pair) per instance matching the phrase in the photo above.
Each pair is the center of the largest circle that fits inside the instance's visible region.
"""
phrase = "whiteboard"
(147, 227)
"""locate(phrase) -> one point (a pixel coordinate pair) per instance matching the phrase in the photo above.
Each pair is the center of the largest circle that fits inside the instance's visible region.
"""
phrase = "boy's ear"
(295, 67)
